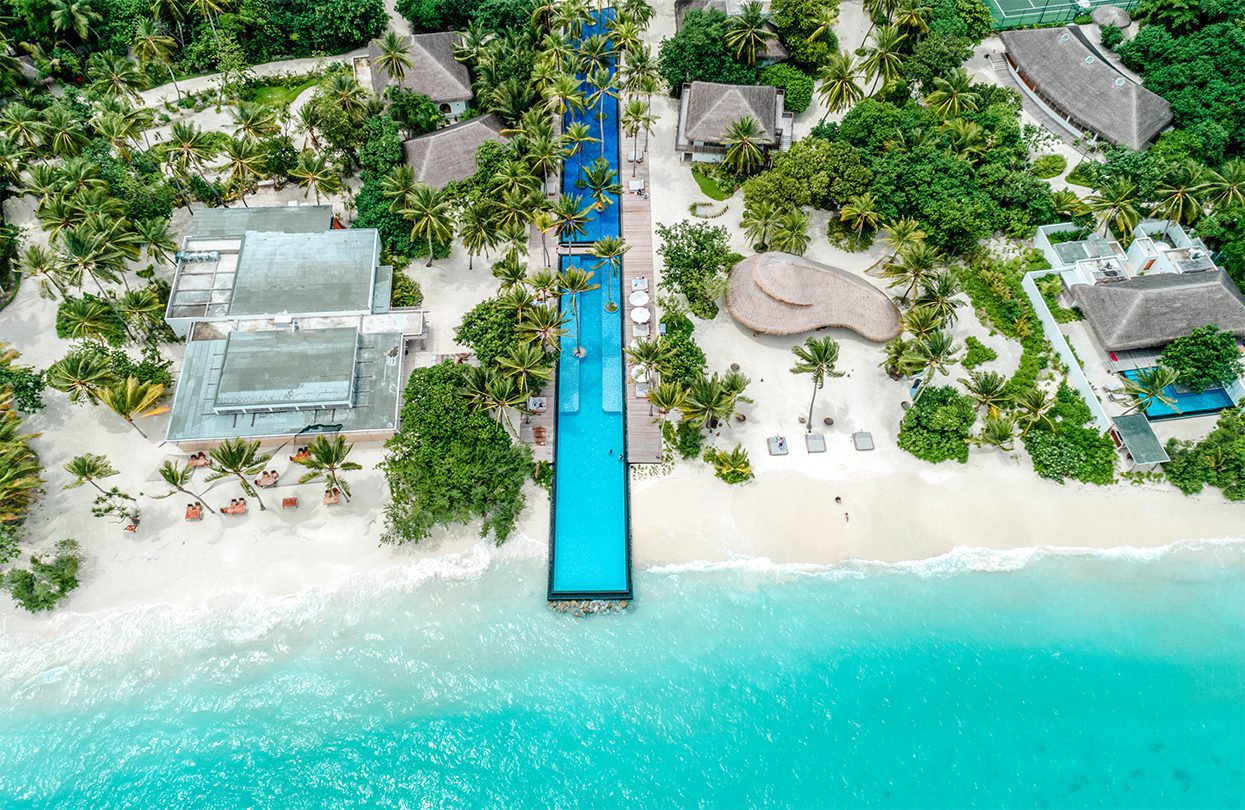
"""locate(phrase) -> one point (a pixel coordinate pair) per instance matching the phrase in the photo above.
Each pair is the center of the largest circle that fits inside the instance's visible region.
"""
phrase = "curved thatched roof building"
(781, 294)
(1065, 70)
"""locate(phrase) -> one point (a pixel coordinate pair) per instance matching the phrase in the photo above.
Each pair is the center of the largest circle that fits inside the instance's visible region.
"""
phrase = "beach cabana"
(782, 294)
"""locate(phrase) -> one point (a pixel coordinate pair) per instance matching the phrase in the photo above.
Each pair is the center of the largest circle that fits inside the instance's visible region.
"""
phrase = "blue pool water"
(600, 223)
(1084, 681)
(589, 550)
(1212, 400)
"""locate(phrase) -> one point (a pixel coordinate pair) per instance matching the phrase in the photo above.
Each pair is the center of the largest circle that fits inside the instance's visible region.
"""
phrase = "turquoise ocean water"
(1017, 680)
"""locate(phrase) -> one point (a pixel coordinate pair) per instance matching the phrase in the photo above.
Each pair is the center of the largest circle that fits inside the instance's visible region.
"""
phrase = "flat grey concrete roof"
(300, 273)
(316, 368)
(225, 222)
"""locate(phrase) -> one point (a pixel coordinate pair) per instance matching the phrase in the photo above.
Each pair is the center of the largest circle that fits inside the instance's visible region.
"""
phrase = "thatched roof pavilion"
(436, 73)
(708, 108)
(1062, 68)
(449, 154)
(1152, 311)
(782, 294)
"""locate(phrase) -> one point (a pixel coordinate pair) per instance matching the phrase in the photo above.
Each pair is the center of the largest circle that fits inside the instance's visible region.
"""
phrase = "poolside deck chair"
(194, 512)
(641, 330)
(777, 445)
(815, 442)
(540, 436)
(638, 284)
(289, 503)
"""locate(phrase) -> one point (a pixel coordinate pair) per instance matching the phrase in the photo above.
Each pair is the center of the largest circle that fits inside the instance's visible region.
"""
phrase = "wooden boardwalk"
(643, 433)
(536, 428)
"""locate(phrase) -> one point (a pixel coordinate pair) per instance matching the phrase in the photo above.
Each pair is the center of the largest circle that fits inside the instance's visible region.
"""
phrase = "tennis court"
(1015, 13)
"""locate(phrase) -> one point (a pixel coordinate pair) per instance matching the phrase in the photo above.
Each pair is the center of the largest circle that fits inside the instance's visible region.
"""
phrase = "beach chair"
(777, 445)
(539, 435)
(815, 442)
(289, 503)
(638, 284)
(194, 512)
(641, 330)
(332, 498)
(863, 440)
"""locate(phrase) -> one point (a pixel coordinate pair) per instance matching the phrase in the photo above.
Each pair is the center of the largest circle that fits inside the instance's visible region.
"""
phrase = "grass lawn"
(277, 95)
(1080, 175)
(709, 187)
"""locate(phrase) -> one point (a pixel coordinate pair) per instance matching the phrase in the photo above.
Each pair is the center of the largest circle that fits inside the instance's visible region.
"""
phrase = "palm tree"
(965, 139)
(1150, 387)
(997, 430)
(208, 9)
(817, 358)
(254, 120)
(576, 135)
(178, 476)
(1113, 205)
(935, 353)
(38, 262)
(610, 251)
(1180, 194)
(791, 232)
(131, 399)
(921, 321)
(572, 216)
(545, 326)
(759, 222)
(912, 15)
(953, 95)
(143, 307)
(884, 61)
(749, 32)
(156, 238)
(328, 458)
(1034, 405)
(394, 56)
(988, 389)
(87, 317)
(1226, 187)
(707, 403)
(602, 83)
(428, 211)
(113, 75)
(636, 115)
(919, 265)
(529, 366)
(89, 468)
(476, 232)
(601, 182)
(245, 161)
(152, 44)
(23, 126)
(72, 15)
(743, 138)
(862, 211)
(120, 132)
(62, 132)
(898, 358)
(576, 280)
(1067, 203)
(188, 147)
(397, 186)
(649, 354)
(488, 391)
(938, 294)
(824, 20)
(314, 174)
(899, 236)
(241, 459)
(667, 397)
(344, 89)
(307, 122)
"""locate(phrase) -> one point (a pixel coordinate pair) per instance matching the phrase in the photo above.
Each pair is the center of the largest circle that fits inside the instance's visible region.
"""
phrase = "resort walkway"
(643, 432)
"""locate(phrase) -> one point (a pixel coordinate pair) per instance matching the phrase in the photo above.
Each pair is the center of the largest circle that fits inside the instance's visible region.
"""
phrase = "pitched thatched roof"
(1112, 15)
(436, 74)
(781, 294)
(712, 107)
(449, 154)
(1062, 67)
(1154, 310)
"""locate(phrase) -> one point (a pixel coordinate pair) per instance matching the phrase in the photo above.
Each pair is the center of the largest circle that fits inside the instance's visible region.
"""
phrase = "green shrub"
(1217, 460)
(685, 361)
(1071, 448)
(694, 256)
(1206, 358)
(1111, 36)
(26, 384)
(978, 353)
(1085, 174)
(733, 467)
(450, 463)
(491, 329)
(688, 440)
(797, 86)
(936, 428)
(150, 369)
(1048, 166)
(42, 586)
(405, 291)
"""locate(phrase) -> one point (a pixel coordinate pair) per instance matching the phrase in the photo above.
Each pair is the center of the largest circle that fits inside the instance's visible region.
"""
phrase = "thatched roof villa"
(782, 294)
(706, 109)
(1064, 72)
(436, 73)
(449, 154)
(1153, 310)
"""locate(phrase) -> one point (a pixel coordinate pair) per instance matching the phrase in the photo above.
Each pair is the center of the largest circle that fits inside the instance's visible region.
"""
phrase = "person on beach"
(846, 518)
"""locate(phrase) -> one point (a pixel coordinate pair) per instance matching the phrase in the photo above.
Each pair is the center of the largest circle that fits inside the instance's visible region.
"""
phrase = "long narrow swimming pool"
(589, 554)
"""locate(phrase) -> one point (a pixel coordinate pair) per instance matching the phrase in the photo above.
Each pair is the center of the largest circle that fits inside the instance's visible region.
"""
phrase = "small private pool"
(1212, 400)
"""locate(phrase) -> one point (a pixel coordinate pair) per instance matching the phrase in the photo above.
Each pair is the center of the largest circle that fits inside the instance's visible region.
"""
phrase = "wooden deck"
(539, 424)
(643, 433)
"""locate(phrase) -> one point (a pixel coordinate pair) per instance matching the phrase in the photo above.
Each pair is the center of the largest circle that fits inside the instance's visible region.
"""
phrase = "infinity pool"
(1212, 400)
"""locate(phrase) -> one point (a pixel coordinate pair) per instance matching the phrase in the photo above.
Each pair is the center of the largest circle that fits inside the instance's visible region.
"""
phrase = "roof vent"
(1065, 37)
(1119, 82)
(1089, 60)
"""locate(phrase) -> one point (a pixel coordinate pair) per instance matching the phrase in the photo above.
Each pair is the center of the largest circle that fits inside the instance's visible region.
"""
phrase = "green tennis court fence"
(1021, 13)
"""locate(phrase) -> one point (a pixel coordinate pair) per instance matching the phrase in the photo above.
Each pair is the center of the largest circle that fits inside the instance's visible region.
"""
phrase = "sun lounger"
(863, 440)
(777, 445)
(194, 513)
(538, 434)
(815, 442)
(639, 284)
(641, 390)
(289, 503)
(641, 330)
(332, 498)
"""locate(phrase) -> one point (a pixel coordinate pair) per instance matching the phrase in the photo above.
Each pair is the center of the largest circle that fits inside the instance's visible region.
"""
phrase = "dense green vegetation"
(696, 258)
(1218, 460)
(977, 353)
(936, 428)
(797, 86)
(47, 581)
(450, 463)
(1207, 357)
(699, 53)
(1062, 446)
